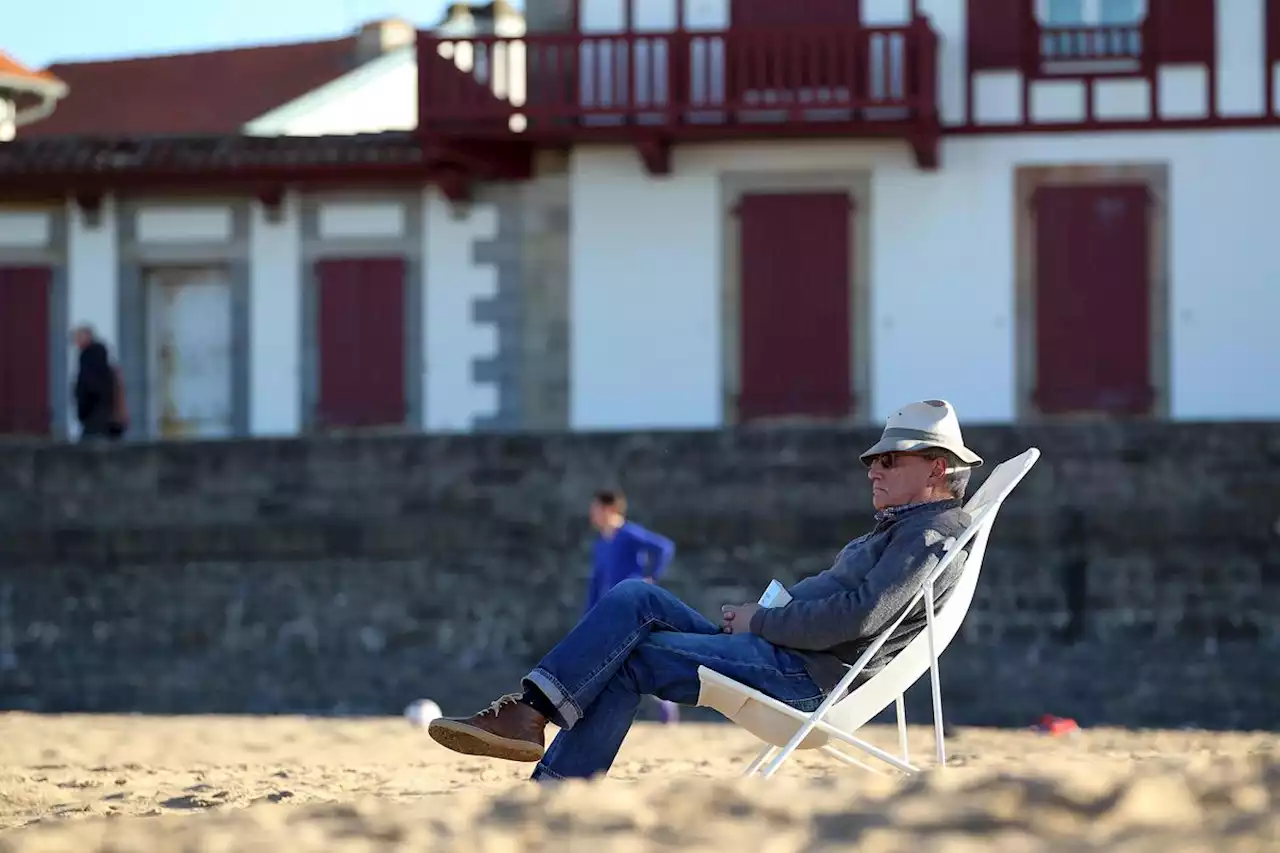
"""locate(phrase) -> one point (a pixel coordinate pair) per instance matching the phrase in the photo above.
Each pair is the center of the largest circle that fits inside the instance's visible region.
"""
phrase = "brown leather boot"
(507, 729)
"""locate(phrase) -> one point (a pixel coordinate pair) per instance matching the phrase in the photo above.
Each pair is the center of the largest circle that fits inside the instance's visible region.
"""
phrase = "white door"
(189, 375)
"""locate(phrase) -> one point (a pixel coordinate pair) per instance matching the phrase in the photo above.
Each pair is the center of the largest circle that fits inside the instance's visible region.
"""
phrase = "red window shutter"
(24, 350)
(795, 258)
(1183, 30)
(383, 339)
(361, 342)
(1273, 31)
(997, 33)
(1093, 299)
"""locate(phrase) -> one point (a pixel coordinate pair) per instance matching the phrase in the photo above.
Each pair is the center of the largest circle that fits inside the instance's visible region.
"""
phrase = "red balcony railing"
(758, 76)
(1107, 49)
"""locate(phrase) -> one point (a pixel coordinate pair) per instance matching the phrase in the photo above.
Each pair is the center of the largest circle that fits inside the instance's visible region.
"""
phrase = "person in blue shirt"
(624, 550)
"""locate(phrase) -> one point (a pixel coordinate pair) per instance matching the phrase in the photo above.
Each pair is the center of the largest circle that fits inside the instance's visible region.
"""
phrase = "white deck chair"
(784, 729)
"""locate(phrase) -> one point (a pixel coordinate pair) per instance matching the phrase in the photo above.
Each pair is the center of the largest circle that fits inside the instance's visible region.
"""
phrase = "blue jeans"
(641, 640)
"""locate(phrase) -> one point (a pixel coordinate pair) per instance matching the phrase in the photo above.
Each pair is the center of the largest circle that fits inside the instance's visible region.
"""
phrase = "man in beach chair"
(639, 639)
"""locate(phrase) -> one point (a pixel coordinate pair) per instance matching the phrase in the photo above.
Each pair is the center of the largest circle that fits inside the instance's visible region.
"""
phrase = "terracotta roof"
(212, 92)
(12, 69)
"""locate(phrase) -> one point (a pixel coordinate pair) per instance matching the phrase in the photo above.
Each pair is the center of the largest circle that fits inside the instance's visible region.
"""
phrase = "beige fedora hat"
(921, 426)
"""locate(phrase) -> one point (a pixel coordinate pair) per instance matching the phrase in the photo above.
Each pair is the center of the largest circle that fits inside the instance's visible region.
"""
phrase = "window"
(1121, 11)
(1086, 13)
(1063, 13)
(1119, 38)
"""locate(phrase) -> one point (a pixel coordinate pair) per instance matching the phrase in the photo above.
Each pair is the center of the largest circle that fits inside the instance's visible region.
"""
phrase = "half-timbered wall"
(1008, 63)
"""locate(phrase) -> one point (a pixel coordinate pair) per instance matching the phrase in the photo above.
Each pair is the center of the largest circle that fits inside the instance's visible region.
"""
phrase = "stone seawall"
(1133, 578)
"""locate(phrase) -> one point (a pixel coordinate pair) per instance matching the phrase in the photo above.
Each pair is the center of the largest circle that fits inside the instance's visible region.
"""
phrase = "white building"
(695, 214)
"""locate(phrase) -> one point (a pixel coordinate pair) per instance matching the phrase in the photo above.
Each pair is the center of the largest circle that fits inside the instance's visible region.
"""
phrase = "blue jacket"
(632, 552)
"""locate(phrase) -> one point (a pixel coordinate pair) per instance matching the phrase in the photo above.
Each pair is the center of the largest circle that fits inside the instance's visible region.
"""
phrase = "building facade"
(255, 249)
(689, 214)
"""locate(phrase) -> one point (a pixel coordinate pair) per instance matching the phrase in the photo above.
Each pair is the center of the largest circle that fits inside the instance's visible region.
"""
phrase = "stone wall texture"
(1133, 578)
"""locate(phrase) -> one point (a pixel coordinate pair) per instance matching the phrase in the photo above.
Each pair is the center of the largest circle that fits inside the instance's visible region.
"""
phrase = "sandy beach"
(92, 784)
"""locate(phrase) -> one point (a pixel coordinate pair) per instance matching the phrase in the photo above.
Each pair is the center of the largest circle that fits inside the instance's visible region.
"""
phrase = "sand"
(99, 783)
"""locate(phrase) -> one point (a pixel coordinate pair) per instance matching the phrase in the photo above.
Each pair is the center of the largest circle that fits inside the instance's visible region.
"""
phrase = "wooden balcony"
(658, 89)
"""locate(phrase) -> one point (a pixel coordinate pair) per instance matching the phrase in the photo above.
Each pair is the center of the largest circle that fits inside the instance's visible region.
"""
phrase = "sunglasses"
(889, 461)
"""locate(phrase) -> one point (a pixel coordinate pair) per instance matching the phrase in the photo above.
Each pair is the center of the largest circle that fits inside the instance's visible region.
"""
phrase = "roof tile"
(211, 92)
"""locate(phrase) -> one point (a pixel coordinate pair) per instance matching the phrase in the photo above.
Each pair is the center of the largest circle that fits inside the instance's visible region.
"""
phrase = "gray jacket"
(835, 615)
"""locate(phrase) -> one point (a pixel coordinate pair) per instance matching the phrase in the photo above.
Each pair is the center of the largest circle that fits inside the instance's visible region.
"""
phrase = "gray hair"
(957, 478)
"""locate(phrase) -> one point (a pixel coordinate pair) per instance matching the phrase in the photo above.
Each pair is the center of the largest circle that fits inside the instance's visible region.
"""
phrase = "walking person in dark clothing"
(95, 387)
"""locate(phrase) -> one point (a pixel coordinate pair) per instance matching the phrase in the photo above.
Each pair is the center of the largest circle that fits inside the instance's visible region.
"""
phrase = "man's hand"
(737, 620)
(650, 580)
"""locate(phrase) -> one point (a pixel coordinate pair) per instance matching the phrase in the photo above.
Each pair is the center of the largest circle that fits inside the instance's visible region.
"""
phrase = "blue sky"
(47, 31)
